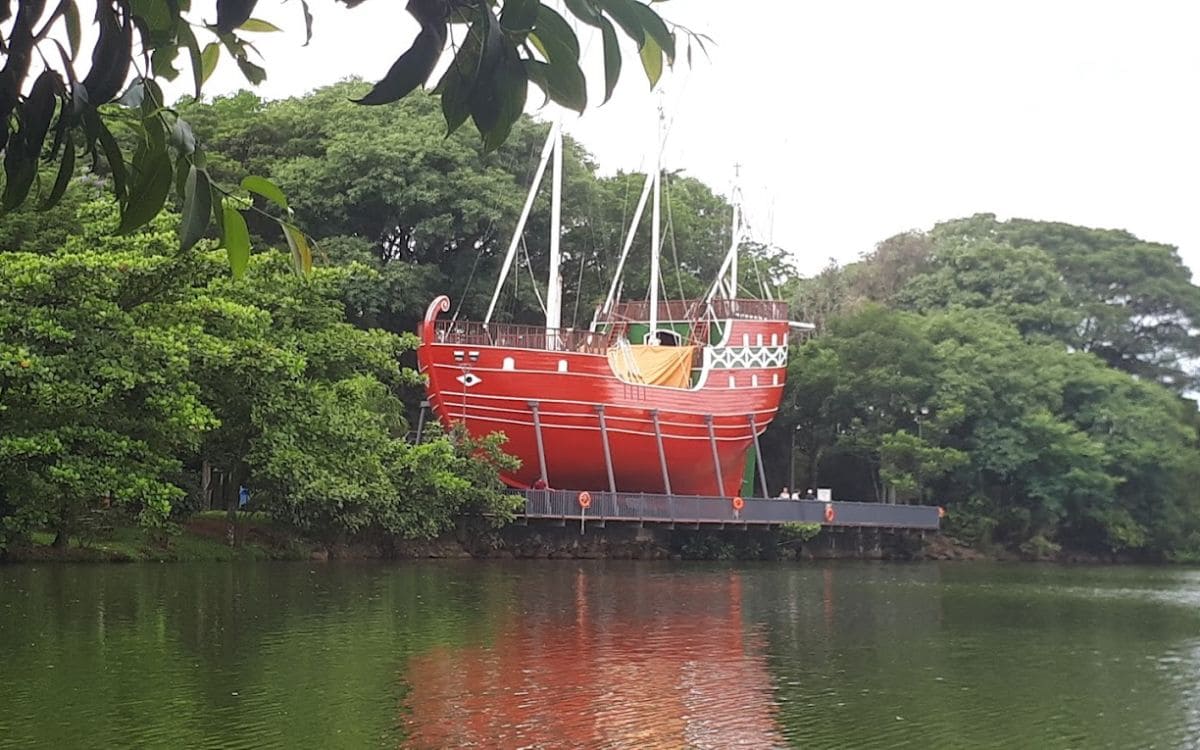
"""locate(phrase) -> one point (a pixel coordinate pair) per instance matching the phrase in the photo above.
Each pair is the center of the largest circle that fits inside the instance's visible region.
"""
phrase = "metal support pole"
(712, 442)
(762, 473)
(421, 420)
(662, 455)
(792, 461)
(608, 465)
(537, 430)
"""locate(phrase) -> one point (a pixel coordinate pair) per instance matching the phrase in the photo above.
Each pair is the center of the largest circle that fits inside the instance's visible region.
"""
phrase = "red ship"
(677, 413)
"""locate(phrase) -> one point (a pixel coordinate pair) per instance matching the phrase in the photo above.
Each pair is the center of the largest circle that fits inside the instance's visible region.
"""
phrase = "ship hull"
(559, 409)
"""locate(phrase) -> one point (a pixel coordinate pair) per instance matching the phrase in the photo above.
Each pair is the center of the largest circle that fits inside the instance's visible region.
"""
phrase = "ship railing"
(516, 336)
(698, 509)
(690, 310)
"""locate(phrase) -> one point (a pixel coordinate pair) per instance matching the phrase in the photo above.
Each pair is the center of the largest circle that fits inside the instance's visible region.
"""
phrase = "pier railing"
(699, 510)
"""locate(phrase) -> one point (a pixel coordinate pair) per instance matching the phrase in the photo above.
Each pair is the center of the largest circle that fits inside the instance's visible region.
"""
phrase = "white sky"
(855, 120)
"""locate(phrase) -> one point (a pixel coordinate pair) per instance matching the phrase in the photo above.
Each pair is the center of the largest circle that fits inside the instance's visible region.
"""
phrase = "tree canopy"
(1031, 377)
(126, 365)
(57, 110)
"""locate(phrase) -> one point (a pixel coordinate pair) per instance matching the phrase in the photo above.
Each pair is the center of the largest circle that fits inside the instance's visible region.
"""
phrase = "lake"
(599, 654)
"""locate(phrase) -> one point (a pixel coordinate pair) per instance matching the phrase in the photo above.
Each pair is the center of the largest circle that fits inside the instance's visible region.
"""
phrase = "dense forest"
(1031, 377)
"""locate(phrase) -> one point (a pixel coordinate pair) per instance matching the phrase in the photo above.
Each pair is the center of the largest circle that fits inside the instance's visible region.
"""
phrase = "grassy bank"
(203, 538)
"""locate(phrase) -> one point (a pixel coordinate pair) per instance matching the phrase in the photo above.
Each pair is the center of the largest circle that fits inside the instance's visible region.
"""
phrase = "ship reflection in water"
(592, 663)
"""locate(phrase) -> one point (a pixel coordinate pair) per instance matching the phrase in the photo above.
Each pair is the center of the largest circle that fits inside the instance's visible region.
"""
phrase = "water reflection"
(596, 661)
(563, 654)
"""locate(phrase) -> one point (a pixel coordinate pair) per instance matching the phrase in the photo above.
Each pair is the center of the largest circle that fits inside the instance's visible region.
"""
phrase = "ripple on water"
(565, 655)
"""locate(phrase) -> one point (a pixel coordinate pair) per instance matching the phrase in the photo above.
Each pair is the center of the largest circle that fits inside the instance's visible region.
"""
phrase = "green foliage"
(150, 151)
(799, 532)
(707, 546)
(95, 397)
(125, 362)
(419, 213)
(1027, 375)
(1132, 303)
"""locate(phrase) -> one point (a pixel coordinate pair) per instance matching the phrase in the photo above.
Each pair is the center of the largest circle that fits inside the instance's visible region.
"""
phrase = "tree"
(497, 50)
(431, 214)
(126, 363)
(1137, 308)
(1028, 445)
(95, 395)
(1021, 283)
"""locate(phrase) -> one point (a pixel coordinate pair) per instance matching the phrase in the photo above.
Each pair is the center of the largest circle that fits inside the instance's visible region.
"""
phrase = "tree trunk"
(61, 540)
(206, 489)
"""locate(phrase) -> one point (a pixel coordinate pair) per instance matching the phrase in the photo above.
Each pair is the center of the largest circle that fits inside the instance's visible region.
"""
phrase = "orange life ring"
(738, 503)
(830, 514)
(585, 499)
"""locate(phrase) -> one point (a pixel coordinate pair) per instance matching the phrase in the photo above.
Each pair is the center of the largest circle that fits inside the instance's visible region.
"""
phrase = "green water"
(569, 654)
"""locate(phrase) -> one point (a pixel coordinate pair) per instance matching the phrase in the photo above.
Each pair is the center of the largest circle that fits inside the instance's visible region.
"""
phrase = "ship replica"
(655, 396)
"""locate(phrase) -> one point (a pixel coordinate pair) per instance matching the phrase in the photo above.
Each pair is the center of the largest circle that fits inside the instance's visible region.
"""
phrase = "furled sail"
(647, 364)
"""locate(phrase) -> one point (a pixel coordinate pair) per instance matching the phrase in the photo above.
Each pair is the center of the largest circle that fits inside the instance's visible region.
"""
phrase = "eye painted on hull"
(469, 379)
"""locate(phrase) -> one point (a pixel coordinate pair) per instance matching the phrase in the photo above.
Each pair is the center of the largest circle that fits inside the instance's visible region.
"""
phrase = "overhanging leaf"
(98, 131)
(233, 13)
(308, 19)
(66, 169)
(652, 60)
(553, 31)
(655, 28)
(519, 15)
(188, 39)
(255, 74)
(197, 208)
(301, 251)
(623, 13)
(182, 137)
(208, 60)
(267, 189)
(585, 11)
(411, 69)
(612, 57)
(565, 83)
(162, 62)
(535, 71)
(148, 193)
(74, 30)
(134, 95)
(110, 57)
(19, 174)
(258, 26)
(457, 83)
(235, 238)
(510, 87)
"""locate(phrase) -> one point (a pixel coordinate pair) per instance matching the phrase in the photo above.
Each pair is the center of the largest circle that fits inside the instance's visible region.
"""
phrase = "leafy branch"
(507, 45)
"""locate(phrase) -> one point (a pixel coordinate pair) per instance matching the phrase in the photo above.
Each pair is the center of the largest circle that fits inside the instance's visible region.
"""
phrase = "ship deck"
(697, 511)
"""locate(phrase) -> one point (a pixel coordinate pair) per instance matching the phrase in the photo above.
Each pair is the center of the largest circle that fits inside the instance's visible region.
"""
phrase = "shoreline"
(211, 538)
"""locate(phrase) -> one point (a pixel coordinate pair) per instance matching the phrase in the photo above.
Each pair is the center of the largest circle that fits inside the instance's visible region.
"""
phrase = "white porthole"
(562, 365)
(754, 381)
(774, 339)
(508, 364)
(732, 382)
(745, 339)
(775, 379)
(758, 340)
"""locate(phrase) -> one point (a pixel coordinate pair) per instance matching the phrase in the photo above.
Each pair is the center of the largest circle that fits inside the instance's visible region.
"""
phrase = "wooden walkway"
(690, 510)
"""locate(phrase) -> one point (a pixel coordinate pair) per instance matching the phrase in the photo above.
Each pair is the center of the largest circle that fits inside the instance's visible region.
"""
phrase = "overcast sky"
(857, 120)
